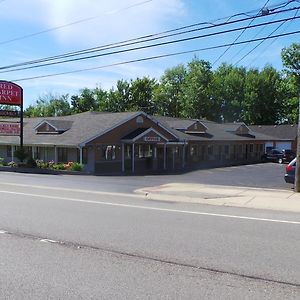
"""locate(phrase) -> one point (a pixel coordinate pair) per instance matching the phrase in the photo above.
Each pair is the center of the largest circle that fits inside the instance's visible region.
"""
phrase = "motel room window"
(109, 152)
(145, 151)
(251, 148)
(193, 150)
(62, 154)
(226, 149)
(8, 151)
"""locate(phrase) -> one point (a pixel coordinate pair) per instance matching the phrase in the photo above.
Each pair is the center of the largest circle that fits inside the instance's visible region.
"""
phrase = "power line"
(143, 47)
(272, 42)
(69, 24)
(158, 56)
(249, 52)
(238, 37)
(142, 39)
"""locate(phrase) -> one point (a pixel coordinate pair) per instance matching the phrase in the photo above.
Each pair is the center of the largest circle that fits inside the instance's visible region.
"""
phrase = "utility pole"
(297, 175)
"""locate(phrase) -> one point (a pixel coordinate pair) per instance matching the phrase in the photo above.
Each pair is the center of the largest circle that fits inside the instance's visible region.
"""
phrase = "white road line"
(154, 208)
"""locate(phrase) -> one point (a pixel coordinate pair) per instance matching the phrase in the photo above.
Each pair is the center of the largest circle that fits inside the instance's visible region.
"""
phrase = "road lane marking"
(152, 208)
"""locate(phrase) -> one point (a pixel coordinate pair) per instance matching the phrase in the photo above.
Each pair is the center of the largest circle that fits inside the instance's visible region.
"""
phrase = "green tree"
(84, 102)
(119, 98)
(228, 92)
(263, 97)
(198, 101)
(49, 105)
(141, 93)
(168, 96)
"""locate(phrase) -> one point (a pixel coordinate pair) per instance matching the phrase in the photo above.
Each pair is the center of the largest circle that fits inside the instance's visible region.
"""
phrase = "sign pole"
(21, 121)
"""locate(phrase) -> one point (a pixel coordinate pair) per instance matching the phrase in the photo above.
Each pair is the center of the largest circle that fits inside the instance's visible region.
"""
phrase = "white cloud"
(106, 21)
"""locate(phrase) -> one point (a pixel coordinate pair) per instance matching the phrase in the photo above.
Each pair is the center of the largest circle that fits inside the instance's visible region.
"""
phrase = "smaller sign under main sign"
(9, 113)
(152, 139)
(9, 129)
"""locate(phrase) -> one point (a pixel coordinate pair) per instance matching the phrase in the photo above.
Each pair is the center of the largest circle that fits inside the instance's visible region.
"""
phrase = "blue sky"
(28, 33)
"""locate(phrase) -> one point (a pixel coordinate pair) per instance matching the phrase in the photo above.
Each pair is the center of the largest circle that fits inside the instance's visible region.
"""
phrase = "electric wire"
(270, 44)
(238, 37)
(249, 52)
(4, 69)
(68, 24)
(156, 57)
(134, 41)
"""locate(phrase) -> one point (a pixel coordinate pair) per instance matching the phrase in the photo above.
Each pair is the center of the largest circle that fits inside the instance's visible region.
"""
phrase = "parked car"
(290, 171)
(280, 156)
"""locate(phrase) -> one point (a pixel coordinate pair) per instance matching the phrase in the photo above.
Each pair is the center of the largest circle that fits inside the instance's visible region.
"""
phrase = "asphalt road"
(85, 237)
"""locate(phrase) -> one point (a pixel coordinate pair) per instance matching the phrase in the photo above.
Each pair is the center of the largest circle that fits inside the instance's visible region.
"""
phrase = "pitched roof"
(80, 128)
(283, 132)
(84, 126)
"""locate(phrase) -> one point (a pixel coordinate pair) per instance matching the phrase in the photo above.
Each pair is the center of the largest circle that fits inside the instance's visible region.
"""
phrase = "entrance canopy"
(144, 136)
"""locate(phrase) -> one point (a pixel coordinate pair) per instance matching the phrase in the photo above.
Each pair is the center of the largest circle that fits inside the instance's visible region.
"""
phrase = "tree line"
(194, 90)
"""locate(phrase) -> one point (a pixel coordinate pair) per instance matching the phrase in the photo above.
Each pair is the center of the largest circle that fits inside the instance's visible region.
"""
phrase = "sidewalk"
(284, 200)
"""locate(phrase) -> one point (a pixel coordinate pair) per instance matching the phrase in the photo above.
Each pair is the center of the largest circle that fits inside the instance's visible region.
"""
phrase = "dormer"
(196, 128)
(239, 129)
(53, 126)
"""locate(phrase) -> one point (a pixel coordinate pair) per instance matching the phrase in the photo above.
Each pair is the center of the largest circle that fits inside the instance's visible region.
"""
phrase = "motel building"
(135, 143)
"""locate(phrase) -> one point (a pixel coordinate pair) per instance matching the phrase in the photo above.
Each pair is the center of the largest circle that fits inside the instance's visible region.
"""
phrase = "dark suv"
(279, 156)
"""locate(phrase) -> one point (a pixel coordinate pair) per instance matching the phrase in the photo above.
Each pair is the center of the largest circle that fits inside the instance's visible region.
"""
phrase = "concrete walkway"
(284, 200)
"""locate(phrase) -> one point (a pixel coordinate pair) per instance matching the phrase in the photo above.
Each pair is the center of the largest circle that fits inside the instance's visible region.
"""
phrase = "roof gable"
(53, 126)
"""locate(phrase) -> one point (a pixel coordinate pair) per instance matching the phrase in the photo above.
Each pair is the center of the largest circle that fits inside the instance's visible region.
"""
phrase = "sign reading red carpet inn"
(10, 93)
(9, 128)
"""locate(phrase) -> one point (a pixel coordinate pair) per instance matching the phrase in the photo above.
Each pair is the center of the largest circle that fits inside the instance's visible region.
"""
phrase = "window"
(109, 152)
(8, 151)
(62, 154)
(145, 151)
(193, 150)
(210, 149)
(226, 149)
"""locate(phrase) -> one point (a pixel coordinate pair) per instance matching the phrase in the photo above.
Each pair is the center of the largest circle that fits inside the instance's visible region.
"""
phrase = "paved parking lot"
(264, 175)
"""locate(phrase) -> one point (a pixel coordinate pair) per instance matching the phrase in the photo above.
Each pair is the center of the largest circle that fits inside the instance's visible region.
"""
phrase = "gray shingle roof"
(84, 127)
(283, 132)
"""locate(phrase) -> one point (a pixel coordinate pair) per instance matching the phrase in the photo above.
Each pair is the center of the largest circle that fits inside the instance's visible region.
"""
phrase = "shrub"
(1, 161)
(31, 163)
(20, 154)
(76, 167)
(58, 167)
(41, 164)
(12, 164)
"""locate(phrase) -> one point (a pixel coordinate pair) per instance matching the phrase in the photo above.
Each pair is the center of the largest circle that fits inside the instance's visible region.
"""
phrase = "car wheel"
(280, 160)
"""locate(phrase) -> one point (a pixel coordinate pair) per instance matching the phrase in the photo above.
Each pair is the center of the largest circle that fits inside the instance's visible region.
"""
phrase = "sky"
(38, 29)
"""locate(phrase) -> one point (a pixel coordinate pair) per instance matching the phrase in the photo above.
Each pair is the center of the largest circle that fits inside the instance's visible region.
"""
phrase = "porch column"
(80, 155)
(123, 158)
(132, 161)
(55, 155)
(165, 156)
(12, 152)
(183, 156)
(173, 157)
(32, 152)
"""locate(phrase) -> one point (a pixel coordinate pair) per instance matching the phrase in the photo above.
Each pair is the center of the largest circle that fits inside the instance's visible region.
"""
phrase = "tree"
(84, 102)
(263, 97)
(141, 93)
(119, 98)
(229, 92)
(49, 105)
(198, 101)
(168, 96)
